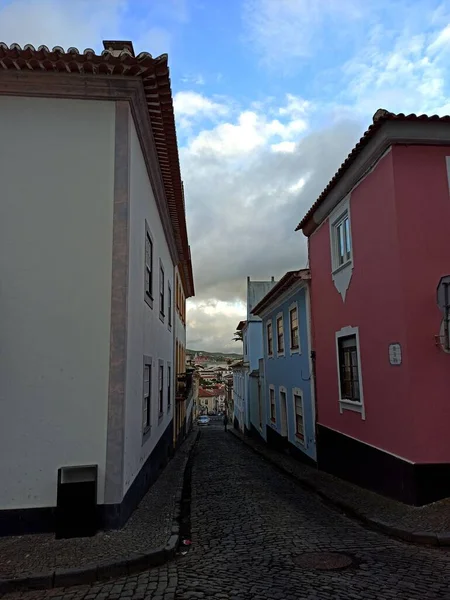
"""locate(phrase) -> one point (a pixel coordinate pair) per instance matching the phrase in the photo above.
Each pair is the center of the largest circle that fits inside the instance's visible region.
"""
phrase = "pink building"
(379, 242)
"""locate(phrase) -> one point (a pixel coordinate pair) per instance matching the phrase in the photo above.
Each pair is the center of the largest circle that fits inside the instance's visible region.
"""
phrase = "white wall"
(147, 334)
(56, 211)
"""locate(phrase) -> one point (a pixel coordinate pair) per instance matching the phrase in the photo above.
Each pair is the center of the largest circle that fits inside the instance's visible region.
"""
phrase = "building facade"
(105, 224)
(285, 401)
(378, 247)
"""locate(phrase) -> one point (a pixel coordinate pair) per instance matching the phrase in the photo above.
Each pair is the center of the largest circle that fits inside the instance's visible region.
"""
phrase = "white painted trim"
(280, 316)
(284, 432)
(341, 274)
(284, 297)
(299, 349)
(269, 355)
(311, 365)
(411, 462)
(299, 392)
(272, 387)
(348, 404)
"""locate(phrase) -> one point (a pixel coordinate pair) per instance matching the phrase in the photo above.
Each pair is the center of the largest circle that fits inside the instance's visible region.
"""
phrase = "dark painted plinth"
(282, 444)
(109, 516)
(368, 467)
(256, 434)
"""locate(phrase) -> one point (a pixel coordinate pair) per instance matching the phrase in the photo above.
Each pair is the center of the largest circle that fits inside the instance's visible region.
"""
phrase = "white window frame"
(343, 215)
(273, 421)
(269, 323)
(147, 362)
(148, 266)
(343, 403)
(341, 274)
(299, 392)
(298, 350)
(161, 390)
(283, 390)
(280, 316)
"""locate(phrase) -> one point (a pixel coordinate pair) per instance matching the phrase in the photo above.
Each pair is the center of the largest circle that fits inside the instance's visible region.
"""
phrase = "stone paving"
(149, 527)
(251, 529)
(433, 517)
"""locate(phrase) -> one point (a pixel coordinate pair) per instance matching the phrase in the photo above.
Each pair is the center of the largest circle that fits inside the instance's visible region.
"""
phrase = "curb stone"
(426, 538)
(129, 565)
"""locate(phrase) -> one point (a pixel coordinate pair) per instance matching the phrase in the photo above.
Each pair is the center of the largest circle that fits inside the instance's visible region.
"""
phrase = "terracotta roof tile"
(380, 117)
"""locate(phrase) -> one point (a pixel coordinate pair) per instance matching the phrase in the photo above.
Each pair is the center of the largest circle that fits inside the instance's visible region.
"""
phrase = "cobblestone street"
(251, 526)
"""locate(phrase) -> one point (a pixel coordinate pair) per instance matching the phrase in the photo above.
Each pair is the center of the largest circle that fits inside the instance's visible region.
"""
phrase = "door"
(283, 412)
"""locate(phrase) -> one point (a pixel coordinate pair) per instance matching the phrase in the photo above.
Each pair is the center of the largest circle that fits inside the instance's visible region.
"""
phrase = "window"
(273, 412)
(298, 409)
(342, 241)
(147, 396)
(161, 291)
(161, 388)
(169, 305)
(148, 267)
(293, 321)
(280, 335)
(169, 386)
(348, 369)
(269, 339)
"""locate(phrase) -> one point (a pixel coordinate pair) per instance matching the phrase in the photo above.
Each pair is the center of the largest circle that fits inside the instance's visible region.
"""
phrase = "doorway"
(283, 412)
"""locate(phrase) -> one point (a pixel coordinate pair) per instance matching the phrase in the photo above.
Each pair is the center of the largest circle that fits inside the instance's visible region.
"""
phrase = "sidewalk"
(428, 524)
(150, 537)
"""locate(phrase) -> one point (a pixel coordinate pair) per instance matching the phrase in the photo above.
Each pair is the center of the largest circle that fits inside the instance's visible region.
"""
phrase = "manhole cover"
(324, 561)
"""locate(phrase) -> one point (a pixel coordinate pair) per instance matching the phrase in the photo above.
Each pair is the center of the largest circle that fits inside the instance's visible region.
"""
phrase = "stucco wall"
(423, 225)
(291, 371)
(147, 334)
(56, 178)
(376, 304)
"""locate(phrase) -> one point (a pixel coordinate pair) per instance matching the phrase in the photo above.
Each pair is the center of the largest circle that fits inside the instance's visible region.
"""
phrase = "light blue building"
(253, 341)
(285, 411)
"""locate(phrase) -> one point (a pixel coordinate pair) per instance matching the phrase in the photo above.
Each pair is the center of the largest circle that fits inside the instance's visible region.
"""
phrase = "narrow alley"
(251, 529)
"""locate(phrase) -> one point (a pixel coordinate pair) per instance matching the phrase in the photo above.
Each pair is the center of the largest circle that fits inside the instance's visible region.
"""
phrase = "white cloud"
(283, 147)
(192, 104)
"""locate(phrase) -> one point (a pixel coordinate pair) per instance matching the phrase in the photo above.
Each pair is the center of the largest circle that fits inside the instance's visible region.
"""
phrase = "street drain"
(323, 561)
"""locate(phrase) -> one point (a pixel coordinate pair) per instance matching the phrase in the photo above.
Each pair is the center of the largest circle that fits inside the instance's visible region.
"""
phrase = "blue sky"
(270, 96)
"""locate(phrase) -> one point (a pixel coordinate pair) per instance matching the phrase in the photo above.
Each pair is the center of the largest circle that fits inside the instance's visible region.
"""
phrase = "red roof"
(206, 393)
(379, 118)
(119, 59)
(284, 284)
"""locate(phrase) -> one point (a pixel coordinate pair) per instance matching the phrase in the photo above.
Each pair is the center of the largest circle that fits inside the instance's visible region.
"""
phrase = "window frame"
(162, 290)
(148, 267)
(294, 349)
(273, 417)
(279, 317)
(299, 437)
(160, 389)
(269, 325)
(345, 403)
(147, 400)
(340, 214)
(169, 305)
(169, 386)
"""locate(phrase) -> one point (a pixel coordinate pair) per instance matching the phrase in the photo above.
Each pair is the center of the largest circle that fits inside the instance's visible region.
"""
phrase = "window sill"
(295, 350)
(148, 299)
(146, 433)
(161, 316)
(300, 439)
(340, 268)
(352, 406)
(280, 354)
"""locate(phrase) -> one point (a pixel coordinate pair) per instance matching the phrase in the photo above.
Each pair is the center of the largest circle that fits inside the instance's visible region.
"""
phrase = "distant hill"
(218, 356)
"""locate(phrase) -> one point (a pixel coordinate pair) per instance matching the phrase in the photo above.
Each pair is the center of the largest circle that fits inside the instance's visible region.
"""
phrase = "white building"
(92, 228)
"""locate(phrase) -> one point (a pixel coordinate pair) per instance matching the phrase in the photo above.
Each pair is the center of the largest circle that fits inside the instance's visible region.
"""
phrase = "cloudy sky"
(270, 97)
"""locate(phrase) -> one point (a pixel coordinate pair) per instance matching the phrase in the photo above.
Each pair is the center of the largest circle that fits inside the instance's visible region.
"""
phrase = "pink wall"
(375, 304)
(423, 213)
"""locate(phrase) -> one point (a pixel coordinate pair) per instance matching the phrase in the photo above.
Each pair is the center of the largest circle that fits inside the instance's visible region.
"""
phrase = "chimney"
(117, 46)
(273, 278)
